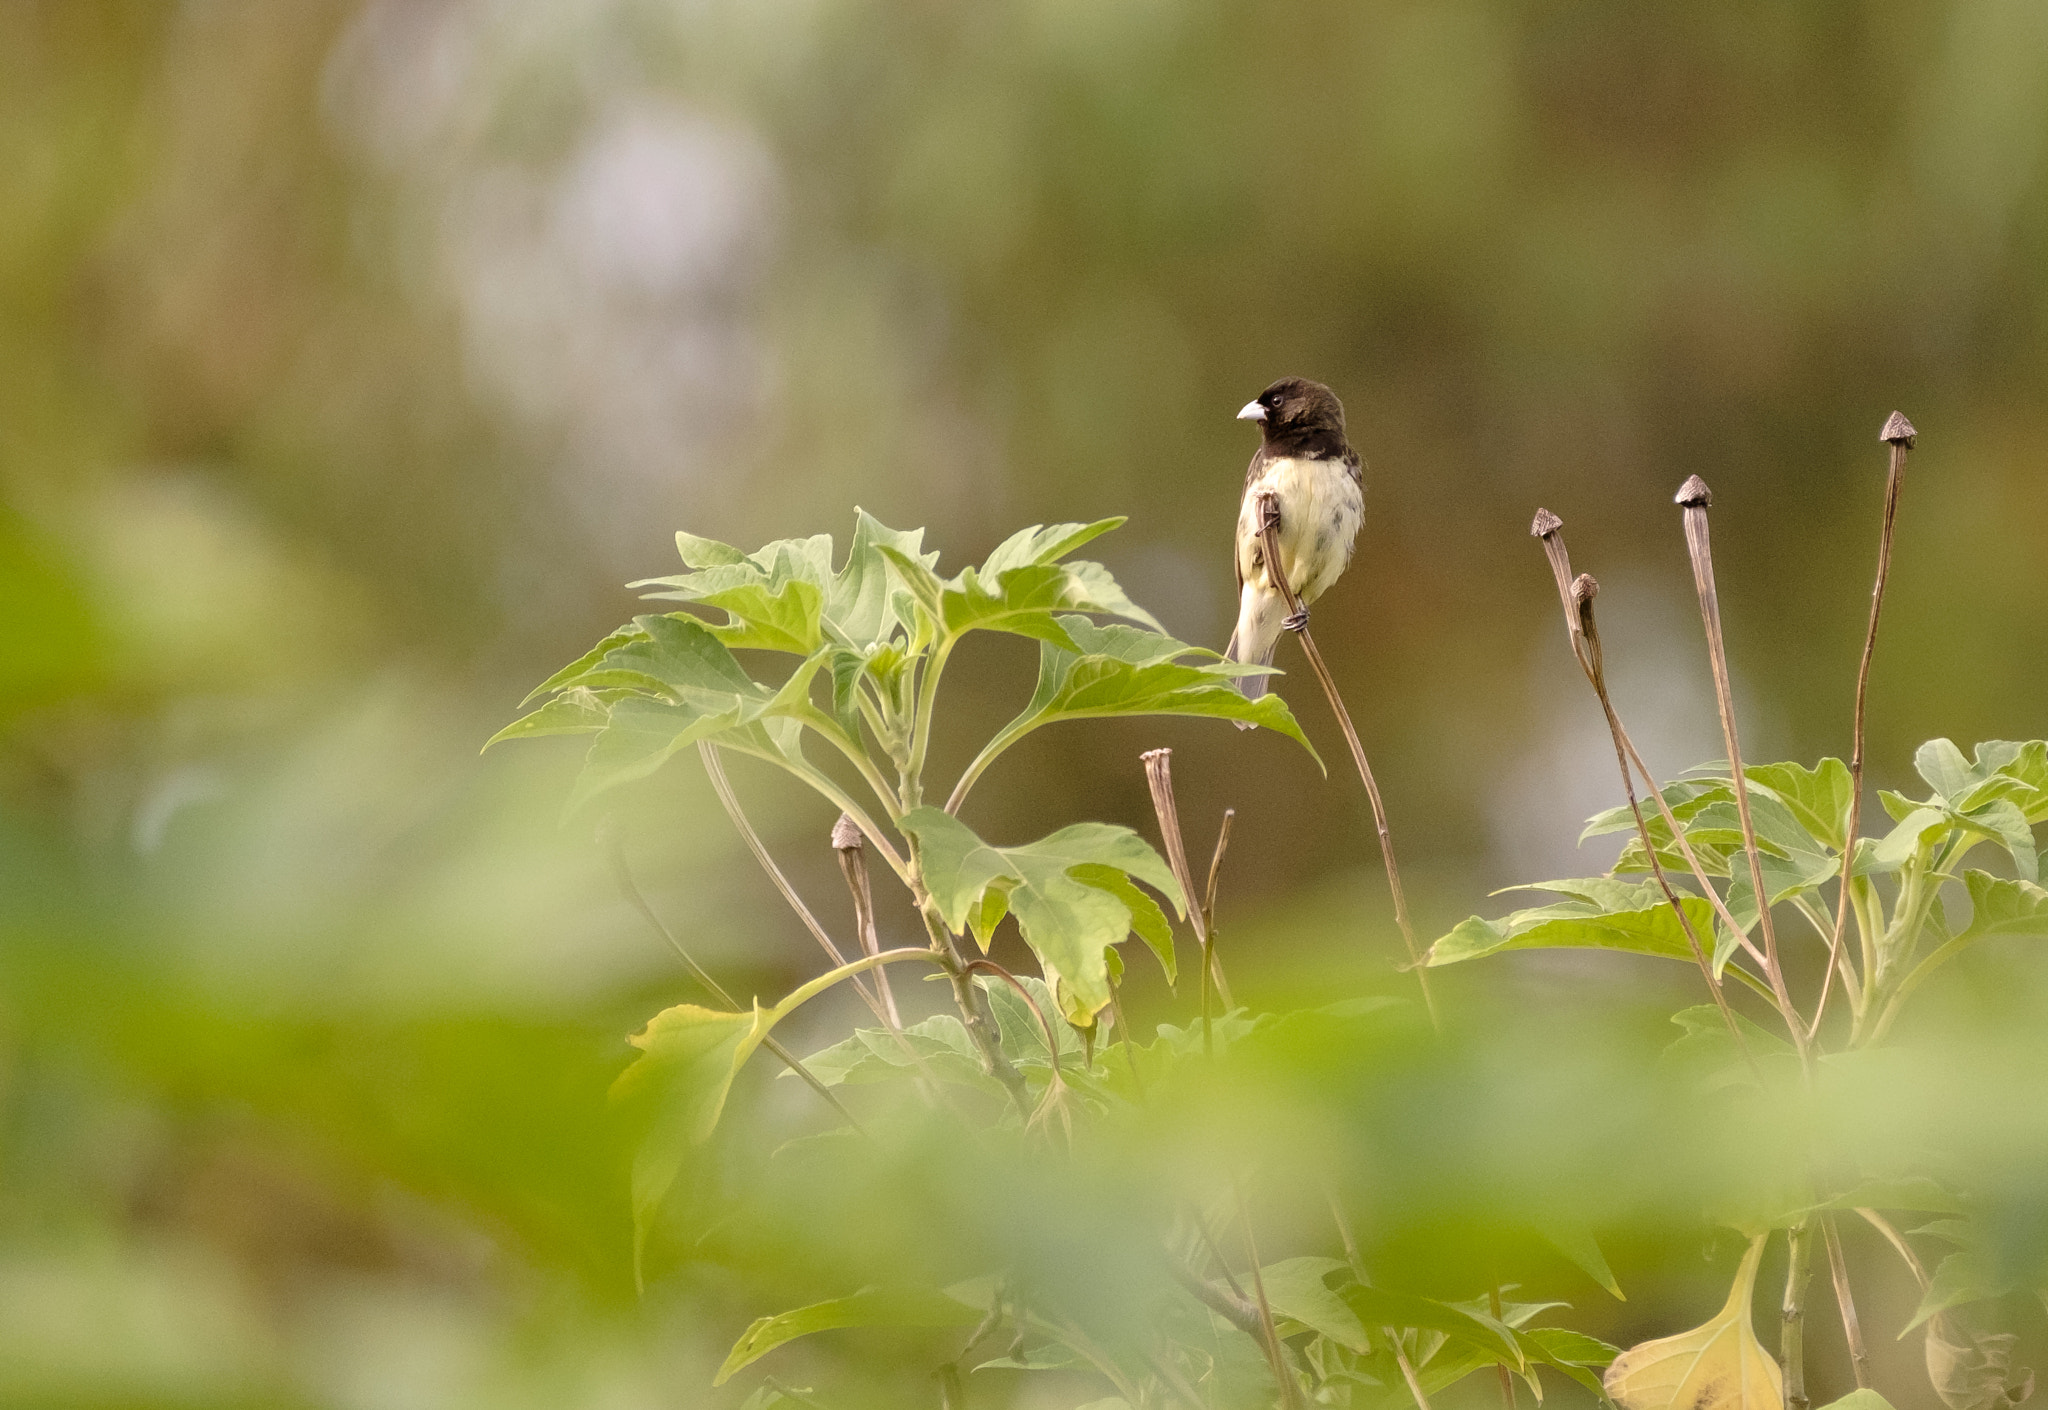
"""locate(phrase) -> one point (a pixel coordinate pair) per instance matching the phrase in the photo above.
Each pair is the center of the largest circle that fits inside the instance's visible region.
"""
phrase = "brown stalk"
(1792, 1336)
(1845, 1299)
(1297, 622)
(1898, 433)
(1577, 595)
(622, 875)
(1159, 779)
(1898, 1241)
(850, 847)
(1695, 498)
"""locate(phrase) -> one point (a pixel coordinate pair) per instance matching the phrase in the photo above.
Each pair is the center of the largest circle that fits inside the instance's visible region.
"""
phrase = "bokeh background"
(353, 355)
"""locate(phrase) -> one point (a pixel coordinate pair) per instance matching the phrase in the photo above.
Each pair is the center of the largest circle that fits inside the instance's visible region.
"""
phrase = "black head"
(1295, 413)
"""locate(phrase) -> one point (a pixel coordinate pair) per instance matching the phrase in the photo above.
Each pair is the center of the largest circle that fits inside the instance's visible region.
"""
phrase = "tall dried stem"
(1845, 1301)
(1576, 596)
(1898, 433)
(1695, 498)
(1297, 622)
(849, 846)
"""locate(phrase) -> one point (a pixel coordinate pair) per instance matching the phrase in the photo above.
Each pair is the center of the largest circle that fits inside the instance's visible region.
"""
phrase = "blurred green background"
(352, 356)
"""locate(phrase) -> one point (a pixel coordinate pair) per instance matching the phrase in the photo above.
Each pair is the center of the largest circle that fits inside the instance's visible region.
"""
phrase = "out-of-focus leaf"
(1066, 920)
(1576, 1242)
(1973, 1370)
(1298, 1288)
(1382, 1307)
(1577, 1355)
(1603, 913)
(939, 1045)
(1968, 1275)
(1859, 1400)
(870, 1307)
(1719, 1366)
(1684, 797)
(706, 553)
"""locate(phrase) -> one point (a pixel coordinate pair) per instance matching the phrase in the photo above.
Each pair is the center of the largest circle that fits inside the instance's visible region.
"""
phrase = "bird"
(1305, 462)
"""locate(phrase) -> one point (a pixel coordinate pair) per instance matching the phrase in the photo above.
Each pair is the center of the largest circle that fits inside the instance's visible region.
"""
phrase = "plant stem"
(1845, 1300)
(1695, 497)
(1792, 1339)
(1897, 1241)
(1159, 781)
(722, 786)
(1297, 621)
(1898, 433)
(1212, 964)
(921, 725)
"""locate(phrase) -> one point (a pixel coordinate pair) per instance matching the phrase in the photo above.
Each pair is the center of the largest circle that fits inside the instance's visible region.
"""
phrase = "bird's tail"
(1259, 613)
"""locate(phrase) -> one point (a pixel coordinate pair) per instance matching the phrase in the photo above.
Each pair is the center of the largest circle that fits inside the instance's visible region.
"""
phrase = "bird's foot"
(1296, 621)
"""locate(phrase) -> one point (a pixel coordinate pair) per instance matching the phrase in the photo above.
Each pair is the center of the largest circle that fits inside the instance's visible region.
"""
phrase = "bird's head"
(1295, 408)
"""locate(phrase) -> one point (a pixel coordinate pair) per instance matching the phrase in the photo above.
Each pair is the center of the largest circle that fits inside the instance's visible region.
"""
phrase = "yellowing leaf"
(1720, 1366)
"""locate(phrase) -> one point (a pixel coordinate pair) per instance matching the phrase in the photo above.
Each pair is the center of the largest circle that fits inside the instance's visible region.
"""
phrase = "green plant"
(1019, 1067)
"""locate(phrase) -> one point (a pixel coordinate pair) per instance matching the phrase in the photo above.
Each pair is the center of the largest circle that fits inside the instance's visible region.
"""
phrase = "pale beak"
(1252, 412)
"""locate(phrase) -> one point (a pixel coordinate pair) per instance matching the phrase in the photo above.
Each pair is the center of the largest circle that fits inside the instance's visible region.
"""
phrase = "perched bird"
(1303, 460)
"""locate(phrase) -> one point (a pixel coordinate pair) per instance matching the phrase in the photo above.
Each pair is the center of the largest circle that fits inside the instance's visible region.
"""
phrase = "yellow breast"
(1320, 511)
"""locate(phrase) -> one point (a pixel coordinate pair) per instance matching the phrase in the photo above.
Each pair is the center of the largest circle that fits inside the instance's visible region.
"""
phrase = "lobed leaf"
(870, 1307)
(1719, 1366)
(1603, 913)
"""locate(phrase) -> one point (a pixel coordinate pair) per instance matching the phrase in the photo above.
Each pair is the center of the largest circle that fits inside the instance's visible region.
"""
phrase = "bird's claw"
(1295, 621)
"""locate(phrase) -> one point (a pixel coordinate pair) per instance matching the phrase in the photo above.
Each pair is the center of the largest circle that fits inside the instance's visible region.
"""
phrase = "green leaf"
(1112, 670)
(1380, 1307)
(873, 1055)
(1898, 846)
(1965, 1276)
(2002, 820)
(706, 553)
(1603, 913)
(1684, 797)
(1576, 1242)
(1947, 772)
(1067, 920)
(1022, 1035)
(1707, 1056)
(1818, 797)
(1577, 1355)
(578, 710)
(784, 619)
(870, 1307)
(1044, 543)
(1297, 1288)
(574, 672)
(1859, 1400)
(1148, 922)
(2001, 907)
(861, 609)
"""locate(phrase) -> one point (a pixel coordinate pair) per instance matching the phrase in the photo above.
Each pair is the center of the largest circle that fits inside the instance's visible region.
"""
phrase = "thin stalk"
(1695, 497)
(1898, 433)
(823, 784)
(853, 865)
(1297, 622)
(1577, 596)
(622, 875)
(1792, 1337)
(722, 786)
(990, 752)
(1213, 963)
(1845, 1300)
(831, 731)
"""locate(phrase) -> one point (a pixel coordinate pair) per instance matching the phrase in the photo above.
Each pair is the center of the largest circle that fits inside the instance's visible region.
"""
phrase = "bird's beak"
(1252, 412)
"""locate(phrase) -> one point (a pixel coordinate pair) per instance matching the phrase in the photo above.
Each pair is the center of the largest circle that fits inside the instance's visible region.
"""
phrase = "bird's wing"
(1353, 466)
(1251, 476)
